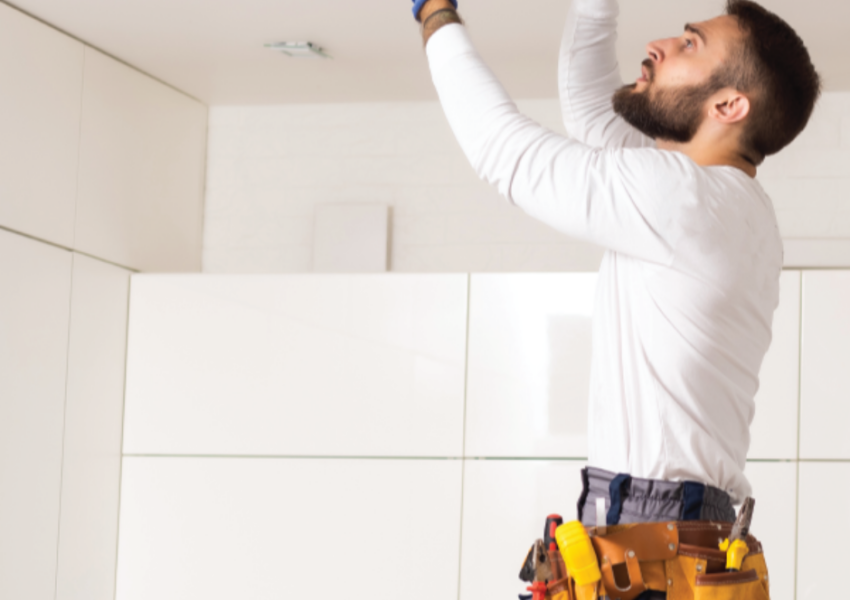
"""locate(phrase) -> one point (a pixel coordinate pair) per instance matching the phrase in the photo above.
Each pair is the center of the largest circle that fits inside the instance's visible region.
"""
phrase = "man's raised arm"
(605, 197)
(588, 76)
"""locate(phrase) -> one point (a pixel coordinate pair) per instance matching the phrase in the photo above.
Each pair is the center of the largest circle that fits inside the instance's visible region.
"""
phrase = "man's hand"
(430, 7)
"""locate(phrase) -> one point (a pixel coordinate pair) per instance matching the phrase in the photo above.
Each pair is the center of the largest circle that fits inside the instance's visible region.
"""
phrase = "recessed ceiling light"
(299, 49)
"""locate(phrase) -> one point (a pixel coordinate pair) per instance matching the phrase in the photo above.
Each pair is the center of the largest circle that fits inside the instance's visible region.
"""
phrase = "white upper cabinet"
(296, 365)
(41, 77)
(825, 389)
(35, 290)
(141, 180)
(529, 364)
(774, 429)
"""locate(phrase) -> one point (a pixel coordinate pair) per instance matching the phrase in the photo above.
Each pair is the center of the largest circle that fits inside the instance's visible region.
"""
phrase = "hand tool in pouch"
(735, 547)
(579, 558)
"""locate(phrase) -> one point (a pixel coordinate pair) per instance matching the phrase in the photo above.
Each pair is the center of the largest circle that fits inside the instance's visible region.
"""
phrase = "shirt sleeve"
(614, 198)
(588, 76)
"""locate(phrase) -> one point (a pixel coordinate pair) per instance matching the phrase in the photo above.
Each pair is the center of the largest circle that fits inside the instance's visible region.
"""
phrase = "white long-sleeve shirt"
(689, 284)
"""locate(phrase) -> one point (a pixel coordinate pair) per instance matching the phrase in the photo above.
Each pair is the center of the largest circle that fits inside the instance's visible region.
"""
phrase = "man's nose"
(655, 50)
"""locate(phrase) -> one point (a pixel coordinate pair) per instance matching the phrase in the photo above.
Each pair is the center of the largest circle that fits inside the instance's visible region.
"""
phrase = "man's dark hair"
(775, 67)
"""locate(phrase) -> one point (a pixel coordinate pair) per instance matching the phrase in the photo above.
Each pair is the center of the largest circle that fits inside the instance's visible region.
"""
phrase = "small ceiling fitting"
(299, 49)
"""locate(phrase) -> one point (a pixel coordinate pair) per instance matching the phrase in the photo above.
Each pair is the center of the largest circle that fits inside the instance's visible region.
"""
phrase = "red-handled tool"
(538, 590)
(552, 523)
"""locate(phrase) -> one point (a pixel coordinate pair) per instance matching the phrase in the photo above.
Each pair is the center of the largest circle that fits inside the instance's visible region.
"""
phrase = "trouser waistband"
(634, 500)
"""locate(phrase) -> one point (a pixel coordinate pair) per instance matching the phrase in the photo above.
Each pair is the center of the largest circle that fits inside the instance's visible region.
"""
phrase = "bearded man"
(662, 174)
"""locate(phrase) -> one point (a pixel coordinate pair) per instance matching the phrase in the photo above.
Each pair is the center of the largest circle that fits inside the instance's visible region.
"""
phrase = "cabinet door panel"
(774, 429)
(35, 289)
(505, 505)
(142, 157)
(825, 389)
(297, 365)
(91, 466)
(41, 74)
(265, 529)
(529, 364)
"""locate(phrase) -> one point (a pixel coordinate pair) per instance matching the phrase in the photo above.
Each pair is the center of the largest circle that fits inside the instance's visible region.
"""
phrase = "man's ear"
(729, 107)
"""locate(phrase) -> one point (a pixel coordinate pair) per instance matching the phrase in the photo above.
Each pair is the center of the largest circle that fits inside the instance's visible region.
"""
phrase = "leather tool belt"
(681, 559)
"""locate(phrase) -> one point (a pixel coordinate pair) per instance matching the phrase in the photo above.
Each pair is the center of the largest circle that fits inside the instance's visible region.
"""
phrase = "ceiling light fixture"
(299, 49)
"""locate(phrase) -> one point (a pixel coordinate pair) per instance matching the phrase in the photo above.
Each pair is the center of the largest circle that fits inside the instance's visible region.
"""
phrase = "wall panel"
(35, 289)
(265, 529)
(91, 469)
(774, 429)
(330, 365)
(142, 157)
(41, 75)
(825, 384)
(529, 364)
(774, 488)
(505, 505)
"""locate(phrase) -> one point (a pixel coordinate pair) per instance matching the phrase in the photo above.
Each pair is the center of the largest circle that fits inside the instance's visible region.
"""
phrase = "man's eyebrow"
(697, 31)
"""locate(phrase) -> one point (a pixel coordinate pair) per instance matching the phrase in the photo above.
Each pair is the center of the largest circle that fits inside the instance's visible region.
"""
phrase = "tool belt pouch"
(681, 559)
(742, 585)
(561, 590)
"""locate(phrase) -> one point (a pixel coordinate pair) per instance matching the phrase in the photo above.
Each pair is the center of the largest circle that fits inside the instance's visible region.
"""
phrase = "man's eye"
(689, 44)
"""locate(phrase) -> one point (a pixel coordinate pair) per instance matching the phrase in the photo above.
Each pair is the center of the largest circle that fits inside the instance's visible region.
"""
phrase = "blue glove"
(418, 4)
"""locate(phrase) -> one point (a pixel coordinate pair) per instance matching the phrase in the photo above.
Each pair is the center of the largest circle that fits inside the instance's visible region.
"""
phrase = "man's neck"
(710, 155)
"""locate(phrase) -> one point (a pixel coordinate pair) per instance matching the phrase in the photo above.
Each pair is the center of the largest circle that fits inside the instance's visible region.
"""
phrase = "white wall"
(101, 173)
(271, 417)
(270, 166)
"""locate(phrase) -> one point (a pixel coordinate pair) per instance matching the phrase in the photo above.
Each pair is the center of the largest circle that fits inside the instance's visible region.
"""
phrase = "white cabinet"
(265, 529)
(91, 469)
(141, 174)
(330, 365)
(529, 364)
(825, 389)
(41, 75)
(775, 490)
(505, 505)
(35, 288)
(774, 429)
(823, 527)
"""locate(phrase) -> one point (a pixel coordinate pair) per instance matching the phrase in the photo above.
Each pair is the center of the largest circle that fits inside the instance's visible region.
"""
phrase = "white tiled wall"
(270, 166)
(205, 352)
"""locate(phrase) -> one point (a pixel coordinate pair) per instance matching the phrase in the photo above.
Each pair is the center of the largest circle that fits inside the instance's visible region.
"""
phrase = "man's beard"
(665, 114)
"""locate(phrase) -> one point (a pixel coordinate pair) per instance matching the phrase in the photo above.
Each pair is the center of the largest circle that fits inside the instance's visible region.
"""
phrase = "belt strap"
(617, 492)
(692, 500)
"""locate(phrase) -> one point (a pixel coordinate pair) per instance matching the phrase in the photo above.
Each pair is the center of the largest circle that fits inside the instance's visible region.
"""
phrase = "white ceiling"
(213, 49)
